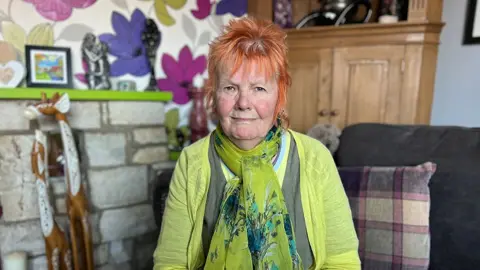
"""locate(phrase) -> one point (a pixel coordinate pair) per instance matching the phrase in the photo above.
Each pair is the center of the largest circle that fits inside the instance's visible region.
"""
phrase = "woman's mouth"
(242, 119)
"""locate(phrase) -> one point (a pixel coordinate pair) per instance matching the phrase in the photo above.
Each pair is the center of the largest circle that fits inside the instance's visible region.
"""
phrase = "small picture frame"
(48, 67)
(471, 33)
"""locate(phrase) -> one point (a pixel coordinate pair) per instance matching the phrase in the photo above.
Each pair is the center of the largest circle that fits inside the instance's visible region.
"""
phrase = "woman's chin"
(244, 134)
(243, 138)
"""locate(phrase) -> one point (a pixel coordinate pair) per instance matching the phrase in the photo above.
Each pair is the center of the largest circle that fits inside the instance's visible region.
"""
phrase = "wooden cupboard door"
(308, 101)
(262, 9)
(367, 83)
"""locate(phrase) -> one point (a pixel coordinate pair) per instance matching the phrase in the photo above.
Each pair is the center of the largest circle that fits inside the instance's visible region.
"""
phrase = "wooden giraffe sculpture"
(76, 200)
(56, 243)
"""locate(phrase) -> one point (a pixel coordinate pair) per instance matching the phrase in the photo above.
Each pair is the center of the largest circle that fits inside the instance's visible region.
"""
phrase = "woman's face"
(245, 105)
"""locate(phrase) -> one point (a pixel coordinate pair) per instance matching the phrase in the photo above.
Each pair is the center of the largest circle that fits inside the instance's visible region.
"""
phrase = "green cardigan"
(328, 217)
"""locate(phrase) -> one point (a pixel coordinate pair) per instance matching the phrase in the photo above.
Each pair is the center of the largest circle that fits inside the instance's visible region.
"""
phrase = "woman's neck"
(246, 144)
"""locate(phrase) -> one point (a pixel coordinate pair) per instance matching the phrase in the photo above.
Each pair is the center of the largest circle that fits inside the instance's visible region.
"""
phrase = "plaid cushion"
(390, 207)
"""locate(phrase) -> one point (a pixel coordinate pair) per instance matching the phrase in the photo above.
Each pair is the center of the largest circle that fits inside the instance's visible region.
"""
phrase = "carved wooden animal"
(57, 247)
(76, 200)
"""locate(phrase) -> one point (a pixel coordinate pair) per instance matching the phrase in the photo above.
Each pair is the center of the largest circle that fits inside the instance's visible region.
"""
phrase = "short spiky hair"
(254, 41)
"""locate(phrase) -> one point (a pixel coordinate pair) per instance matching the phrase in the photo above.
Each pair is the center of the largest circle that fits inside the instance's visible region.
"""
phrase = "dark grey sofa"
(454, 188)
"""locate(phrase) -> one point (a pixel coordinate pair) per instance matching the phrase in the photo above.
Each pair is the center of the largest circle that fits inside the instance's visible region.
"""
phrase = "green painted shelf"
(79, 94)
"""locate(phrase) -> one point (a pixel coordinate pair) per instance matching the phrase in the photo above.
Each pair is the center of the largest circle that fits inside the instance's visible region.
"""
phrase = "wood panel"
(419, 83)
(262, 9)
(425, 10)
(309, 93)
(365, 35)
(367, 84)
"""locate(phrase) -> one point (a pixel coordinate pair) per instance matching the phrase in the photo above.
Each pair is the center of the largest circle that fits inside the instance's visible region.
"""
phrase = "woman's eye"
(258, 88)
(229, 88)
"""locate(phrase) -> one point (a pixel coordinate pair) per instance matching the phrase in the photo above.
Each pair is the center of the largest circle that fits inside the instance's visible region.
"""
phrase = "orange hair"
(254, 41)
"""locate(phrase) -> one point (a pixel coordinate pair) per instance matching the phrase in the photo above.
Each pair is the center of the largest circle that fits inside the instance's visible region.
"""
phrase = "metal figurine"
(151, 38)
(95, 54)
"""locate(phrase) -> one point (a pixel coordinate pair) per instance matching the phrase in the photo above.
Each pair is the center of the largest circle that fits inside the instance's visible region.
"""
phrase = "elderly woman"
(254, 194)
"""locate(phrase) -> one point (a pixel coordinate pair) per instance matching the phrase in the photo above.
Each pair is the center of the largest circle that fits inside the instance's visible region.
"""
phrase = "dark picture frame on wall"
(48, 67)
(472, 23)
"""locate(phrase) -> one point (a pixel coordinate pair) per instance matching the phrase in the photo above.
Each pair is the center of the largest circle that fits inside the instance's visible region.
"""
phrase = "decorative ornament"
(198, 116)
(11, 74)
(151, 40)
(94, 53)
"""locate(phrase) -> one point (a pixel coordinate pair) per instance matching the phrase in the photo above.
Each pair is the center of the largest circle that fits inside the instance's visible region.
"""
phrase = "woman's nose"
(243, 101)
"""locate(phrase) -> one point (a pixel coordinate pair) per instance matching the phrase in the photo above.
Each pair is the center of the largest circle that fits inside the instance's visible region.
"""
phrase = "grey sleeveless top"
(291, 193)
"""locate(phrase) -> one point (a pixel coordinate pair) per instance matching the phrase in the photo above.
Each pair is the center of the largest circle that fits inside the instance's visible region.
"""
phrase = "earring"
(280, 117)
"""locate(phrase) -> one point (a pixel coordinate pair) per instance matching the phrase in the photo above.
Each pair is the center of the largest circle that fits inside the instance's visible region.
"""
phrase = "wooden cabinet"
(363, 73)
(382, 73)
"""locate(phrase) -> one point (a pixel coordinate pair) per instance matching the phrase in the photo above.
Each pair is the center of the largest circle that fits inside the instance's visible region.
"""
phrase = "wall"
(457, 82)
(123, 145)
(186, 28)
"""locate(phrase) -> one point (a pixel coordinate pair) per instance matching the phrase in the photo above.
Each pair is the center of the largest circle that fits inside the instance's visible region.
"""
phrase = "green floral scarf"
(253, 230)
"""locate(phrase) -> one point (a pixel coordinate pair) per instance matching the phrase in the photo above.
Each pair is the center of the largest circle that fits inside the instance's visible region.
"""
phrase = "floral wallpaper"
(186, 28)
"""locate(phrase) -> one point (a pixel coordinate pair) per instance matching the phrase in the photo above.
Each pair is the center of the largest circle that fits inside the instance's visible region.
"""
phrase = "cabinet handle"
(324, 112)
(334, 113)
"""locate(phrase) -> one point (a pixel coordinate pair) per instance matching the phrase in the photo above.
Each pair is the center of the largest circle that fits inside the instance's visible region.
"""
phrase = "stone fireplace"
(122, 147)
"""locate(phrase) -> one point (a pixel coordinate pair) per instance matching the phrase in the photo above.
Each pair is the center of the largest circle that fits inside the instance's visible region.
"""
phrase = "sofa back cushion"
(454, 188)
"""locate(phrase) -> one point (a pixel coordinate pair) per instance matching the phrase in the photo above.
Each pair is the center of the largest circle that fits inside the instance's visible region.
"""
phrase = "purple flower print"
(235, 7)
(180, 74)
(203, 9)
(59, 10)
(126, 44)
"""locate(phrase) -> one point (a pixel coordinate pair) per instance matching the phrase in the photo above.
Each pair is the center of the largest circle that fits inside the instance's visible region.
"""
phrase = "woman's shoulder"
(193, 163)
(197, 150)
(315, 158)
(193, 159)
(310, 148)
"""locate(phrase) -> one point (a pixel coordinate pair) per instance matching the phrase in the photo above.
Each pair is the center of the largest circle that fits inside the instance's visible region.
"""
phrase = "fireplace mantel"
(84, 95)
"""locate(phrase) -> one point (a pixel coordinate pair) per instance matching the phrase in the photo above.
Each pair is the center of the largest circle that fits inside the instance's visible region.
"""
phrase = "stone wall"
(122, 149)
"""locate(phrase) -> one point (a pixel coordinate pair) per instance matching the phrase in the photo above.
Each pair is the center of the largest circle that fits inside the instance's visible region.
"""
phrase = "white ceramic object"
(387, 19)
(11, 74)
(16, 260)
(198, 81)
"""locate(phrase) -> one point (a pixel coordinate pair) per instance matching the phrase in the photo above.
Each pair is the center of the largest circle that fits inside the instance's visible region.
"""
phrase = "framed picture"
(48, 67)
(472, 23)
